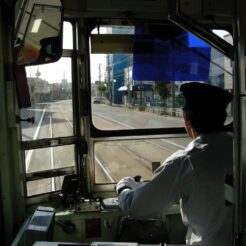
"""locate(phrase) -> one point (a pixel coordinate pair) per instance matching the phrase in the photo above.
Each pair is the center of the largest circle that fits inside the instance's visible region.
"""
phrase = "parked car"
(96, 100)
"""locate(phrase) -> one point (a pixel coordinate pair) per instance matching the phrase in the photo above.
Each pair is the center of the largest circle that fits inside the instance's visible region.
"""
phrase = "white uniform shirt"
(196, 177)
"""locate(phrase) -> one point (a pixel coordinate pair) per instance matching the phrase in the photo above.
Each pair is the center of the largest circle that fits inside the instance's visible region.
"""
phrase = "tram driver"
(195, 175)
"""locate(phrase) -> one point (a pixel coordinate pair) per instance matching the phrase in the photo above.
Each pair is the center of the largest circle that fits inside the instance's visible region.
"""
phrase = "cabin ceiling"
(201, 10)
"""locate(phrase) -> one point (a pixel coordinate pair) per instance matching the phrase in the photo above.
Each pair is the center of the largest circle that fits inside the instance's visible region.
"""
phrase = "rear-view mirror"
(38, 32)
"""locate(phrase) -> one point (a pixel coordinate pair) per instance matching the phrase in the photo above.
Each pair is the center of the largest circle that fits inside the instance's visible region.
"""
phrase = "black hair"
(205, 106)
(206, 121)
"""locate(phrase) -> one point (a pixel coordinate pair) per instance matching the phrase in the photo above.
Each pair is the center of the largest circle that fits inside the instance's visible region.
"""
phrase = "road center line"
(170, 142)
(52, 156)
(104, 170)
(164, 140)
(107, 118)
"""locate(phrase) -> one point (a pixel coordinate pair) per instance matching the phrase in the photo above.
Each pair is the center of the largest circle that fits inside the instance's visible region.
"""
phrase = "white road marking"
(164, 140)
(30, 152)
(107, 118)
(104, 170)
(53, 185)
(170, 142)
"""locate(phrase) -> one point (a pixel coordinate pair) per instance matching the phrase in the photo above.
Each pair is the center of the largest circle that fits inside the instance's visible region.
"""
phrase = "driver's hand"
(127, 183)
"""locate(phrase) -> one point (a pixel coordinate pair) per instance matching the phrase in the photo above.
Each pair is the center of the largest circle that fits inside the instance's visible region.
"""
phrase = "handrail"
(176, 16)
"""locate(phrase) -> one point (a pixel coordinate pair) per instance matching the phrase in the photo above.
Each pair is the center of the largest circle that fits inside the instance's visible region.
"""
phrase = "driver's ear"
(187, 121)
(189, 128)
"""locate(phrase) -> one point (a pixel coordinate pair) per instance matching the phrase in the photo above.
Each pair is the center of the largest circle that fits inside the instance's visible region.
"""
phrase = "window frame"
(100, 45)
(102, 190)
(74, 139)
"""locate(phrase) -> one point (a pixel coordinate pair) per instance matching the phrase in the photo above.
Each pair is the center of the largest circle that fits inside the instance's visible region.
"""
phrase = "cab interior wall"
(103, 225)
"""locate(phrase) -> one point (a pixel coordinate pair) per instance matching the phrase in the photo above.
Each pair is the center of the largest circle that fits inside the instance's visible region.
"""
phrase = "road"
(116, 159)
(113, 159)
(107, 117)
(51, 120)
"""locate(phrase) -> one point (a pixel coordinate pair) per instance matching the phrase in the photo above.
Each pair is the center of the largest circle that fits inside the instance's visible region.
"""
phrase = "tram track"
(144, 162)
(47, 124)
(127, 157)
(61, 110)
(160, 145)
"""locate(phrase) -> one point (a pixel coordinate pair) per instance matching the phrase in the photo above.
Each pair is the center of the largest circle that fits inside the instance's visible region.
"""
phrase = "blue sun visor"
(179, 57)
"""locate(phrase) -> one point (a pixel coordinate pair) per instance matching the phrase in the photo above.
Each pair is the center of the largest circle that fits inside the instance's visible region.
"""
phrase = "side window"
(135, 83)
(49, 142)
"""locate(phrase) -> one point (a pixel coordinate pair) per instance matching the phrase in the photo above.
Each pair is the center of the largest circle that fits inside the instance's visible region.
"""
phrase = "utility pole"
(173, 96)
(109, 80)
(141, 92)
(128, 86)
(99, 70)
(38, 73)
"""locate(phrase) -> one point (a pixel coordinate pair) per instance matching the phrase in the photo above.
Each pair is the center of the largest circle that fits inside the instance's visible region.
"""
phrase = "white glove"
(127, 182)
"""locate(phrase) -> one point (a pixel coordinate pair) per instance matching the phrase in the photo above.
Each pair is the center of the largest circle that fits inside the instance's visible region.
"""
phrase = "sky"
(97, 60)
(55, 72)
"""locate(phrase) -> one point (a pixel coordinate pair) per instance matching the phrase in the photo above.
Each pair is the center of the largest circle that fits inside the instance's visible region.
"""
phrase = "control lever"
(28, 120)
(66, 226)
(137, 178)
